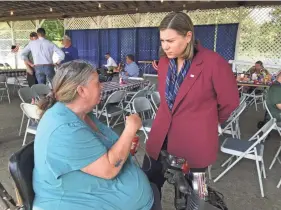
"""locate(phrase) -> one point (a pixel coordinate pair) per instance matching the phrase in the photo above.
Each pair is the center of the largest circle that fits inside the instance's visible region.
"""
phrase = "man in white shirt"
(111, 64)
(42, 52)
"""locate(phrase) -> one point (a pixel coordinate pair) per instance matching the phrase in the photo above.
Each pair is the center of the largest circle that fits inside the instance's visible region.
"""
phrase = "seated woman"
(79, 162)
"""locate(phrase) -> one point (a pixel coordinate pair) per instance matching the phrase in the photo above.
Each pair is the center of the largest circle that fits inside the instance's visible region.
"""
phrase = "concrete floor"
(240, 186)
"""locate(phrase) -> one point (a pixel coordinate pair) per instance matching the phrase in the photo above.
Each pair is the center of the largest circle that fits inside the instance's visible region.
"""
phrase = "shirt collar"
(41, 38)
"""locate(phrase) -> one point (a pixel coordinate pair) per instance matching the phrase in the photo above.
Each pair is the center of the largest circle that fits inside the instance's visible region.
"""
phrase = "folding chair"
(7, 66)
(242, 99)
(26, 95)
(113, 107)
(40, 89)
(254, 98)
(155, 98)
(231, 126)
(143, 107)
(128, 103)
(4, 87)
(130, 94)
(251, 149)
(33, 114)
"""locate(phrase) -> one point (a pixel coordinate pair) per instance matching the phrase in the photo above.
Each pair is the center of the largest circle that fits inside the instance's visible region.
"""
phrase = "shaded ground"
(240, 186)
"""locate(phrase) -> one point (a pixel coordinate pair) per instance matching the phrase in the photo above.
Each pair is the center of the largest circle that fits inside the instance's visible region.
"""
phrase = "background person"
(81, 163)
(131, 68)
(258, 69)
(198, 90)
(42, 52)
(30, 73)
(71, 52)
(110, 63)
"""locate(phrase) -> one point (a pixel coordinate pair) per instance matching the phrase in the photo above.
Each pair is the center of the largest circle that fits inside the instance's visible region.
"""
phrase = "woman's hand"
(133, 122)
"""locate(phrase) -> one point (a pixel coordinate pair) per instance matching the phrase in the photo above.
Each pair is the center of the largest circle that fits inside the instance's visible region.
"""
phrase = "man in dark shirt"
(71, 53)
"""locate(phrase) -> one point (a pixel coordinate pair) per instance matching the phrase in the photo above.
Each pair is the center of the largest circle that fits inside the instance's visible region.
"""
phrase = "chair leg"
(227, 161)
(209, 172)
(21, 123)
(259, 175)
(263, 169)
(25, 134)
(229, 167)
(275, 157)
(8, 95)
(279, 183)
(256, 104)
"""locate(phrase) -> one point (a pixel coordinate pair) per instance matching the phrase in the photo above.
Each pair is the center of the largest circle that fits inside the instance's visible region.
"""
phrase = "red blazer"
(207, 96)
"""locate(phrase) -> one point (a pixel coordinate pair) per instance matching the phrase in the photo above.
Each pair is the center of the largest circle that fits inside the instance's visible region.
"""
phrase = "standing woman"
(198, 90)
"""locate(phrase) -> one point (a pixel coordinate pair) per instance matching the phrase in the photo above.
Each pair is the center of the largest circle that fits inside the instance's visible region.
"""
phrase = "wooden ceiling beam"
(63, 9)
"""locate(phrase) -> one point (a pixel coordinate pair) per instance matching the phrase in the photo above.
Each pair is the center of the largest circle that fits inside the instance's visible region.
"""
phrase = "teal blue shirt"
(64, 144)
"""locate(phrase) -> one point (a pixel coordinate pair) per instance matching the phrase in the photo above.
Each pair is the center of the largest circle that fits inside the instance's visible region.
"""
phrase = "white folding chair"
(128, 102)
(33, 114)
(113, 107)
(255, 98)
(4, 88)
(155, 99)
(242, 99)
(143, 107)
(41, 89)
(231, 126)
(251, 149)
(26, 95)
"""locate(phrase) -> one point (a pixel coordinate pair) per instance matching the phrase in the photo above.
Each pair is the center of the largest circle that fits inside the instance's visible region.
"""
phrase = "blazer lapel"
(192, 75)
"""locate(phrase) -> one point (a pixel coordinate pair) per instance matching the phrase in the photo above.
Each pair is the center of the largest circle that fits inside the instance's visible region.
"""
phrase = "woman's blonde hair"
(181, 23)
(68, 77)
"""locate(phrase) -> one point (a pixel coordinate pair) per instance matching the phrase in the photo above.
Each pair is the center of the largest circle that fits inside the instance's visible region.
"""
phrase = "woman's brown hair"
(68, 77)
(181, 23)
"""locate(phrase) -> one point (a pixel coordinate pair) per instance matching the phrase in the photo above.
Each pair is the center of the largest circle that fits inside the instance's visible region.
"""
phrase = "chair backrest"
(155, 98)
(141, 104)
(242, 99)
(21, 166)
(116, 97)
(30, 110)
(3, 79)
(265, 130)
(152, 87)
(235, 115)
(41, 89)
(26, 94)
(146, 88)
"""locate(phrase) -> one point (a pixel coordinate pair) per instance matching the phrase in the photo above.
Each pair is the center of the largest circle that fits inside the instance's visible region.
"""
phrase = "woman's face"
(173, 43)
(91, 93)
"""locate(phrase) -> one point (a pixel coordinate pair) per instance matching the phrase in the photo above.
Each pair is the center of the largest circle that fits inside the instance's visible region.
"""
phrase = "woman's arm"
(226, 89)
(109, 165)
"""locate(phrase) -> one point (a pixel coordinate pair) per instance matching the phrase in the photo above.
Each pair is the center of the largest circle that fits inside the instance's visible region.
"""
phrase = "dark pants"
(31, 79)
(157, 201)
(155, 174)
(44, 72)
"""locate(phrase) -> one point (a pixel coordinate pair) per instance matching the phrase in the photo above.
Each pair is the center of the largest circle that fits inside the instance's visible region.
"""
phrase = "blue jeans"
(43, 73)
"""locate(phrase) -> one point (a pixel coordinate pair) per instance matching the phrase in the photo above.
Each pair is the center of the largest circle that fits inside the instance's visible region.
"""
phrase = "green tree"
(54, 30)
